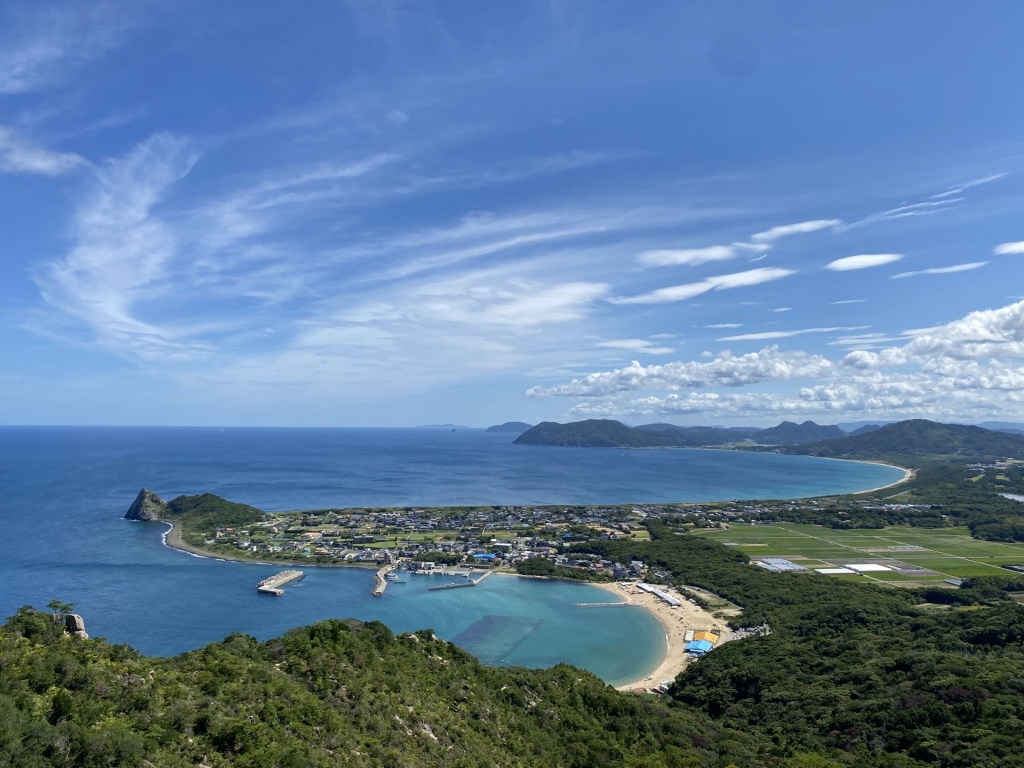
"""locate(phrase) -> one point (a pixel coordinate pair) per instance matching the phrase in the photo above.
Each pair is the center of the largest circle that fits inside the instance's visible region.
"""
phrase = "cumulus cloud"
(1008, 248)
(942, 270)
(717, 283)
(687, 256)
(963, 369)
(862, 261)
(800, 228)
(19, 155)
(769, 364)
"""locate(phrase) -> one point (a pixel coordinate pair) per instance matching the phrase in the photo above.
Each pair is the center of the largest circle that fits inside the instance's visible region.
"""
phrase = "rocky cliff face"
(147, 506)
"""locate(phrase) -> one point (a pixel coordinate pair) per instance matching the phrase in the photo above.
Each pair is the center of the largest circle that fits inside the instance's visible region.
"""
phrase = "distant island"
(518, 427)
(608, 433)
(911, 439)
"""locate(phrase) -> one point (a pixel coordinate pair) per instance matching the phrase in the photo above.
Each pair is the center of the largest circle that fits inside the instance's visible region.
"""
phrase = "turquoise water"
(64, 491)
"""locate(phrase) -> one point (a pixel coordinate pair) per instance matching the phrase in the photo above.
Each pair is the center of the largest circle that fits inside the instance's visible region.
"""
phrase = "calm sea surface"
(63, 492)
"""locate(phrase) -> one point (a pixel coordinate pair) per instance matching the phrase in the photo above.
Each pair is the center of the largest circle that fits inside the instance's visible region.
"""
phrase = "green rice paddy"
(948, 552)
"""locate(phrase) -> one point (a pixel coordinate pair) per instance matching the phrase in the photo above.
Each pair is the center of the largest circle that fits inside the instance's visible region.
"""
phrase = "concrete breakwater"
(470, 582)
(381, 581)
(272, 586)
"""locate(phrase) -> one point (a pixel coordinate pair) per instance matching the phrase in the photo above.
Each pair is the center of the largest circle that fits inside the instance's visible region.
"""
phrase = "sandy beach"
(676, 622)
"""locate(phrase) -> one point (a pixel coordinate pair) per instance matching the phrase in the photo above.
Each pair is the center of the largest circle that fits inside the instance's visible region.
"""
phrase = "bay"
(63, 491)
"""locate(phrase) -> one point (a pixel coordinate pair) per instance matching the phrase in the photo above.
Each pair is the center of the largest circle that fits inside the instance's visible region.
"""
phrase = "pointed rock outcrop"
(147, 506)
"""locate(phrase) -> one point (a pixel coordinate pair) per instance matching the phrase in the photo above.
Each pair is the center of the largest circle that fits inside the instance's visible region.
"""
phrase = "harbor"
(272, 586)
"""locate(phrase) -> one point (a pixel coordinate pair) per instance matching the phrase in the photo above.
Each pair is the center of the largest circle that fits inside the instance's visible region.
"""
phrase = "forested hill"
(338, 693)
(608, 433)
(921, 439)
(594, 433)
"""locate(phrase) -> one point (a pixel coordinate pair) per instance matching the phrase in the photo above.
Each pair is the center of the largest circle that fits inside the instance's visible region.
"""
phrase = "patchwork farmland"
(915, 556)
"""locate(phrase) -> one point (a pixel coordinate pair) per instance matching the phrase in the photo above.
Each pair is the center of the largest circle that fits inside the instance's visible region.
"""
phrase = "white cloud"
(635, 345)
(769, 364)
(122, 251)
(19, 155)
(968, 368)
(801, 228)
(37, 52)
(863, 261)
(778, 334)
(1008, 248)
(724, 325)
(688, 256)
(516, 304)
(907, 211)
(967, 185)
(717, 283)
(849, 301)
(942, 270)
(781, 309)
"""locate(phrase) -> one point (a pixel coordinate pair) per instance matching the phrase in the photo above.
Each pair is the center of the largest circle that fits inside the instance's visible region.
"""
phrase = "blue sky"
(391, 213)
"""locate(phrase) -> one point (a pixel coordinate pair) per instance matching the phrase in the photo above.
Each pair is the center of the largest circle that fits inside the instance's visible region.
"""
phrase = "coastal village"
(483, 536)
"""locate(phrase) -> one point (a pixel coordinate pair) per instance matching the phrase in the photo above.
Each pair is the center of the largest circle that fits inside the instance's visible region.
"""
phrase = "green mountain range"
(919, 438)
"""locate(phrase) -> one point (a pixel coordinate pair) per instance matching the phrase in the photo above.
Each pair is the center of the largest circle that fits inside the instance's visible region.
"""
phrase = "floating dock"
(272, 586)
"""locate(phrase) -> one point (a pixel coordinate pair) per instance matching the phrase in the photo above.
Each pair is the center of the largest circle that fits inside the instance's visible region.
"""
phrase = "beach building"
(703, 634)
(699, 647)
(661, 594)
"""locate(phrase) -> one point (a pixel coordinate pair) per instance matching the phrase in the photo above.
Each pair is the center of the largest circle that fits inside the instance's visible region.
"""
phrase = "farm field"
(948, 552)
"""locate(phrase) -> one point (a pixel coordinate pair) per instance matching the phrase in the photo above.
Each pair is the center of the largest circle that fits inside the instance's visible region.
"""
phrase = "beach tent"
(699, 646)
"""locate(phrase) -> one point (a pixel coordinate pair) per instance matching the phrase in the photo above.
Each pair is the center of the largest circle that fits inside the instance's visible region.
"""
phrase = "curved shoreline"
(172, 540)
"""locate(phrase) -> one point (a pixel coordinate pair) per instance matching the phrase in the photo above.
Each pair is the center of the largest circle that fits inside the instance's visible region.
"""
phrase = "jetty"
(469, 582)
(381, 580)
(272, 586)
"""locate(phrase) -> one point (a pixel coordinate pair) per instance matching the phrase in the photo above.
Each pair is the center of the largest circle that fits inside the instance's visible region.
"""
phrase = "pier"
(468, 583)
(381, 581)
(272, 586)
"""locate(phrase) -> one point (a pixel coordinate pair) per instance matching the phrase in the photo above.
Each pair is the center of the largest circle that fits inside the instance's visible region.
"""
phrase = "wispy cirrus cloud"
(942, 270)
(765, 335)
(717, 283)
(19, 155)
(689, 257)
(800, 228)
(122, 251)
(967, 185)
(862, 261)
(635, 345)
(37, 50)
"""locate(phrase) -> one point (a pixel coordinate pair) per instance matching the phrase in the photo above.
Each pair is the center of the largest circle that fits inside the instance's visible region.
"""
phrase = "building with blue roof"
(699, 647)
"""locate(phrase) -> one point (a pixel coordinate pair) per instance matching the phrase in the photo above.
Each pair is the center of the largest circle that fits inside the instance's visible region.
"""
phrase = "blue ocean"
(65, 490)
